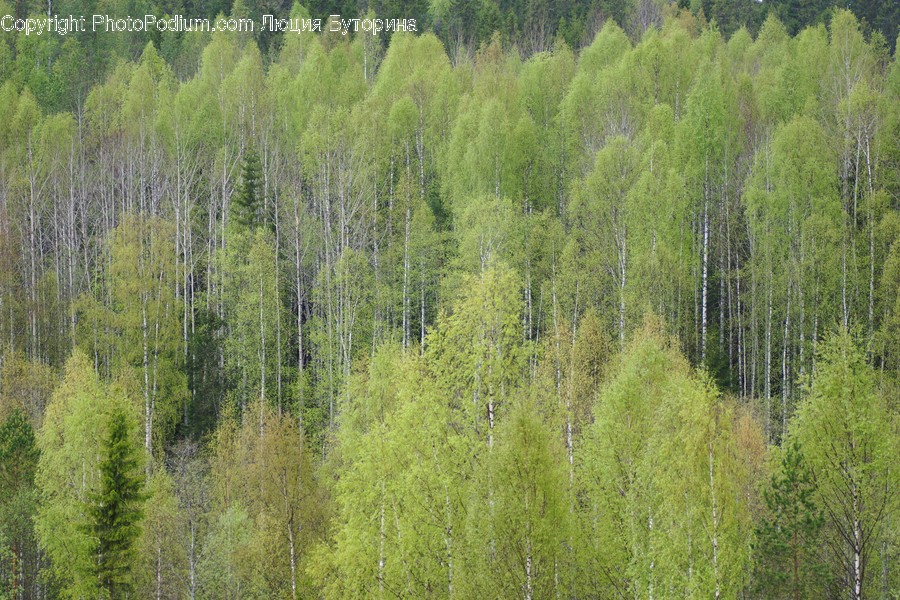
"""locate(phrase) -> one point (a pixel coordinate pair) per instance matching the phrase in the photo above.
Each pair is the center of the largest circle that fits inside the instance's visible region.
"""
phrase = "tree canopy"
(582, 299)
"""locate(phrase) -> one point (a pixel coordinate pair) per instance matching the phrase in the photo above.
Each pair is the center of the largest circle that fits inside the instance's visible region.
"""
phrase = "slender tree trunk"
(529, 584)
(845, 310)
(298, 272)
(262, 355)
(785, 368)
(857, 544)
(278, 357)
(158, 570)
(381, 538)
(768, 367)
(796, 567)
(448, 543)
(32, 255)
(407, 335)
(704, 284)
(623, 259)
(652, 563)
(871, 223)
(422, 313)
(293, 558)
(192, 560)
(148, 406)
(715, 524)
(15, 560)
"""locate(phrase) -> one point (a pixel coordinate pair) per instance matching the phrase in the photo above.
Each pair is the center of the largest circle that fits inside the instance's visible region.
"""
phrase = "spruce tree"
(116, 511)
(18, 454)
(788, 564)
(246, 208)
(18, 503)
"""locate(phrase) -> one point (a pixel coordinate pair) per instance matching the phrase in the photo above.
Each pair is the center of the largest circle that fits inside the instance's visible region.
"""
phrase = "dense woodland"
(426, 316)
(60, 70)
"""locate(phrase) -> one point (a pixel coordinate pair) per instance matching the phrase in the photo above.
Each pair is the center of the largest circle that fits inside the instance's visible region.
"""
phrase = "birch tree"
(134, 327)
(69, 474)
(845, 428)
(649, 530)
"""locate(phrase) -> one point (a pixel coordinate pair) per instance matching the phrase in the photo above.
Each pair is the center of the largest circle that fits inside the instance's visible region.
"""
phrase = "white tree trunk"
(715, 523)
(705, 283)
(262, 353)
(293, 558)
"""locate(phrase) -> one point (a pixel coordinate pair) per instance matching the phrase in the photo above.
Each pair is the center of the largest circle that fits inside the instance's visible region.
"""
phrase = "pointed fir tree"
(788, 564)
(116, 512)
(18, 454)
(247, 206)
(18, 503)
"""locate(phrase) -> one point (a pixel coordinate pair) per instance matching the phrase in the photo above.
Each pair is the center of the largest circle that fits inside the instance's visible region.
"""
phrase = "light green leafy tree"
(69, 472)
(518, 528)
(850, 444)
(253, 308)
(262, 479)
(162, 562)
(132, 324)
(660, 476)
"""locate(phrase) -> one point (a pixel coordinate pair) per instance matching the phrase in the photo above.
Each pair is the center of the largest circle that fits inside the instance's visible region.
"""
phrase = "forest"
(600, 304)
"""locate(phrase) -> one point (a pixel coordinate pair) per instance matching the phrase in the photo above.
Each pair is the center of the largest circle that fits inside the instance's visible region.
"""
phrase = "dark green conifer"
(18, 502)
(247, 207)
(788, 538)
(18, 454)
(116, 510)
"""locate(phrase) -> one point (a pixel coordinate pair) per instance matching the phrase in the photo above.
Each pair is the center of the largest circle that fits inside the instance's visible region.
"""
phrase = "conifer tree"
(18, 454)
(116, 511)
(18, 502)
(789, 565)
(246, 208)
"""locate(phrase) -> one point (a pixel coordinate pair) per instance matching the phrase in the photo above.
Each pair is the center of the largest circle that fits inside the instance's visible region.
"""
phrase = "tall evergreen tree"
(789, 565)
(18, 454)
(18, 503)
(247, 204)
(116, 510)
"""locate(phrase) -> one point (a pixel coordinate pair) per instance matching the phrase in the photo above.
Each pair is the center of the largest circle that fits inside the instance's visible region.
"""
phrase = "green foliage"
(228, 567)
(478, 350)
(850, 443)
(788, 563)
(25, 385)
(267, 508)
(115, 511)
(132, 327)
(254, 310)
(18, 455)
(161, 556)
(659, 475)
(69, 474)
(524, 519)
(18, 503)
(374, 303)
(247, 206)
